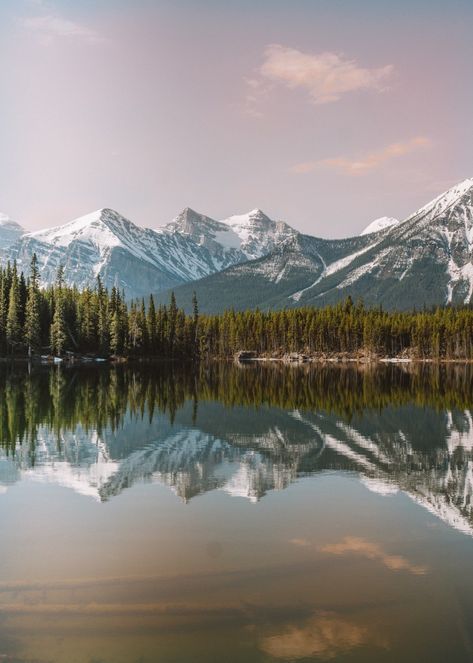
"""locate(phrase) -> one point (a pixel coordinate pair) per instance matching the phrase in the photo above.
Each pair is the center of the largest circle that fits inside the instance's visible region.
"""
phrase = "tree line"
(60, 319)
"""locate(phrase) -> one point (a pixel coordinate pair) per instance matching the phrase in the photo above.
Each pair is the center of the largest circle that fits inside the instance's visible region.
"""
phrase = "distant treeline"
(61, 319)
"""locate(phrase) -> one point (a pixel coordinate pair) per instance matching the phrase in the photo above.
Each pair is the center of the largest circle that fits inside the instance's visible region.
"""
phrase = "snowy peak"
(189, 220)
(10, 231)
(204, 230)
(380, 224)
(459, 195)
(258, 233)
(234, 239)
(214, 237)
(103, 228)
(7, 221)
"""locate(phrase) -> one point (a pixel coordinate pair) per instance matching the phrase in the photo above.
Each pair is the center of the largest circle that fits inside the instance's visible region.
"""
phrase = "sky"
(324, 113)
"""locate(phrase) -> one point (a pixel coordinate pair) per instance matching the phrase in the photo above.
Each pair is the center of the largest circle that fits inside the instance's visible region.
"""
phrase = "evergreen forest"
(61, 320)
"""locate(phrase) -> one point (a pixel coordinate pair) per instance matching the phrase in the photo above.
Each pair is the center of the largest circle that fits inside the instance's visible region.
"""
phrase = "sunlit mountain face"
(245, 431)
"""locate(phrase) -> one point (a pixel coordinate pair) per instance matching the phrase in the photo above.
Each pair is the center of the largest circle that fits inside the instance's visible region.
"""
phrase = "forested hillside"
(99, 322)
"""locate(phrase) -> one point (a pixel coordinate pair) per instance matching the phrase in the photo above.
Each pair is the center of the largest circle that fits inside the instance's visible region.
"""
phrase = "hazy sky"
(324, 113)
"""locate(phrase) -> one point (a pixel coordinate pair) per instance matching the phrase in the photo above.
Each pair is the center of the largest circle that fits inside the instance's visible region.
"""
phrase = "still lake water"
(236, 514)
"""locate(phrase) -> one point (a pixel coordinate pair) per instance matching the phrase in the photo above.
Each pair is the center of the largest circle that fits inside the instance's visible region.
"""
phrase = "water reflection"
(363, 548)
(245, 431)
(260, 514)
(324, 636)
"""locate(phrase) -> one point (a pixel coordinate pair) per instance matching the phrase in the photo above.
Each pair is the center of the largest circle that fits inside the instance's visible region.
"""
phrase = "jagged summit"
(258, 233)
(189, 215)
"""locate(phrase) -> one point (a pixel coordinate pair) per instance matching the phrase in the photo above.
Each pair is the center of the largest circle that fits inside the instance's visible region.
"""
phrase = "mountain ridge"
(251, 260)
(424, 260)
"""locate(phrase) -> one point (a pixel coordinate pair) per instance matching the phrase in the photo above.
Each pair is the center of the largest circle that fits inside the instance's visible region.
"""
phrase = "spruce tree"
(32, 310)
(152, 326)
(58, 328)
(195, 324)
(13, 328)
(58, 331)
(172, 320)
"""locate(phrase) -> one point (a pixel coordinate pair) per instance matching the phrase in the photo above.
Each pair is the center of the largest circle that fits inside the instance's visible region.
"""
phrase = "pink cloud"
(367, 163)
(326, 76)
(325, 636)
(352, 545)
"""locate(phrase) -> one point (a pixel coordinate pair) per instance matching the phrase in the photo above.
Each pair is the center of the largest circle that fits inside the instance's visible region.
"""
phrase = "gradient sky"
(324, 113)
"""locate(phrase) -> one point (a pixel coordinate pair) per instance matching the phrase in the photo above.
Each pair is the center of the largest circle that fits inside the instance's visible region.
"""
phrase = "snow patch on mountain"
(228, 239)
(458, 275)
(367, 268)
(297, 295)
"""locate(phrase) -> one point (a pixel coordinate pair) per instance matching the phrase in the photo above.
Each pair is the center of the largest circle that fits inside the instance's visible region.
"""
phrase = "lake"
(257, 513)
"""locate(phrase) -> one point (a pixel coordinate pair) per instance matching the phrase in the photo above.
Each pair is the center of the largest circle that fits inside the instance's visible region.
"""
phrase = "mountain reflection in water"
(243, 430)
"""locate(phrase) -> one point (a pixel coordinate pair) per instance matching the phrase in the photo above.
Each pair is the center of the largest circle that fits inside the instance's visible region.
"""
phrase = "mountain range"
(250, 260)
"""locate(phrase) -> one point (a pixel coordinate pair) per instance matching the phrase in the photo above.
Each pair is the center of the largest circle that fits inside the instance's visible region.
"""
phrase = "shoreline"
(347, 358)
(291, 360)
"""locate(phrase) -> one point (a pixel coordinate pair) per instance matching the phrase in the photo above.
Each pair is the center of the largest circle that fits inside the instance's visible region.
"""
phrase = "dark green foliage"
(95, 321)
(33, 310)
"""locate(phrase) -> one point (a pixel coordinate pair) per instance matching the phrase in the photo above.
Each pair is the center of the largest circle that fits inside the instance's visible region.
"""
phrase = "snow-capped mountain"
(140, 260)
(427, 259)
(379, 224)
(250, 260)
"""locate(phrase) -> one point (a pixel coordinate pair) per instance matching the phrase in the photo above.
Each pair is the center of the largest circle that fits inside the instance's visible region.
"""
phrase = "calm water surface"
(252, 514)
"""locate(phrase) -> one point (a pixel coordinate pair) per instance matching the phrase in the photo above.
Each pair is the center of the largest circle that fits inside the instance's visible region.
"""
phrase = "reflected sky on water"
(257, 513)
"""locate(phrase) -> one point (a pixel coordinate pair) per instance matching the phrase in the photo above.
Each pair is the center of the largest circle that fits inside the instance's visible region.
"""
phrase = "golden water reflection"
(237, 515)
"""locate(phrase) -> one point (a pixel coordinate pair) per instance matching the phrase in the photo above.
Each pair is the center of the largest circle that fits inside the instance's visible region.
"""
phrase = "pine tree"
(58, 331)
(103, 319)
(195, 325)
(172, 320)
(116, 334)
(152, 326)
(13, 328)
(32, 310)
